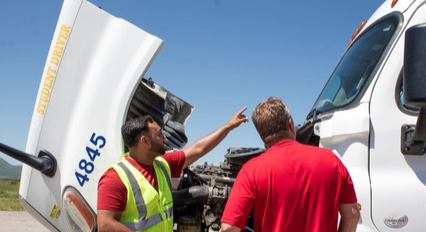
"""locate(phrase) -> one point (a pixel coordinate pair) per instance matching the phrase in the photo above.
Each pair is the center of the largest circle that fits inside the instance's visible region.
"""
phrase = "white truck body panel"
(397, 180)
(367, 136)
(93, 67)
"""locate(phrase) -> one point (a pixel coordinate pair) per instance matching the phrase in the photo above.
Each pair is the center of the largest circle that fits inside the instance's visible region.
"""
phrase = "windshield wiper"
(312, 114)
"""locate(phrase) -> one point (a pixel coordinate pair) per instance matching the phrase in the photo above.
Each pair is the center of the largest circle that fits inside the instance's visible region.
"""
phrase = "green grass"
(9, 195)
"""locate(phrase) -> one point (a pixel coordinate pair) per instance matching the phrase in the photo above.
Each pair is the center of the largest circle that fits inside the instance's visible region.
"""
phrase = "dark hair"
(132, 129)
(271, 120)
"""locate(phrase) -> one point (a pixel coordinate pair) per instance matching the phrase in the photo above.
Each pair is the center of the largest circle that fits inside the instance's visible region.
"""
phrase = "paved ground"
(19, 222)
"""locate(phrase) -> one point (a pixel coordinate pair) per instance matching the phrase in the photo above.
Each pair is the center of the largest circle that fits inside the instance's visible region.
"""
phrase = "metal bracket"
(49, 165)
(408, 145)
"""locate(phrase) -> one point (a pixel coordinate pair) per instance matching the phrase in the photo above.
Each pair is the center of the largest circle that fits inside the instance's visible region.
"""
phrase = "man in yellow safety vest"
(135, 194)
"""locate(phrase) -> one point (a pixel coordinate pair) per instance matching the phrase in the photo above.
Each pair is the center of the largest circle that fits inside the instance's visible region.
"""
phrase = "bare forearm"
(113, 227)
(348, 225)
(108, 221)
(225, 227)
(205, 145)
(349, 217)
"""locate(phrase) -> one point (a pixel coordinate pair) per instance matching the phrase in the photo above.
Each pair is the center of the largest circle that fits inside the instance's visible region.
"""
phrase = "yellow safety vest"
(146, 209)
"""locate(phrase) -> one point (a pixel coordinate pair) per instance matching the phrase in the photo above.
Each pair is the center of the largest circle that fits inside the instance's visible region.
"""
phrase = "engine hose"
(225, 180)
(191, 195)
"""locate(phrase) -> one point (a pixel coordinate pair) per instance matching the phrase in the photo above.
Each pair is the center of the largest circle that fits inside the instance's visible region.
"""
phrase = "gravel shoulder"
(19, 222)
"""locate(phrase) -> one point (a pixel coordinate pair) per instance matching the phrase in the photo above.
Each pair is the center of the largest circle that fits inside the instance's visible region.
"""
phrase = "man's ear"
(143, 140)
(291, 127)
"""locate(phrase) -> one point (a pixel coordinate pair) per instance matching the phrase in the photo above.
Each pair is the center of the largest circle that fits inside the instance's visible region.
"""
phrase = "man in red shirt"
(290, 187)
(145, 140)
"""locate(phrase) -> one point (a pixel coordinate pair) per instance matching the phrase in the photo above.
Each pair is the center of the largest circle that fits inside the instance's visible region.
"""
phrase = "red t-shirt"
(290, 187)
(112, 194)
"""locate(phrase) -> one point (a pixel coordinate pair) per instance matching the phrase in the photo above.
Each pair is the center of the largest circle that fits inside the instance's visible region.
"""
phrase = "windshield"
(356, 67)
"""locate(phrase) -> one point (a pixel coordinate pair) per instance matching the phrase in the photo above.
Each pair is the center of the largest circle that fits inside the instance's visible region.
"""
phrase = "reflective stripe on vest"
(167, 212)
(142, 222)
(163, 169)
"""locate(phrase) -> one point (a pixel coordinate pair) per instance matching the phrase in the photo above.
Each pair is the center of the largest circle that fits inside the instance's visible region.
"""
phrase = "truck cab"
(366, 114)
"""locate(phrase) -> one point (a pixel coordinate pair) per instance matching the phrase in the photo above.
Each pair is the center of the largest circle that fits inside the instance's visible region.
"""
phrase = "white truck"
(370, 113)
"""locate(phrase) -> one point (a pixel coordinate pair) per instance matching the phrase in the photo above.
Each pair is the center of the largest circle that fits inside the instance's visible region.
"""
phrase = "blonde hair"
(272, 119)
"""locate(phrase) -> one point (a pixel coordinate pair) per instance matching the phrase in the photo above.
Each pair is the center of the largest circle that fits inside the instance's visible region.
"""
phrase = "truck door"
(397, 181)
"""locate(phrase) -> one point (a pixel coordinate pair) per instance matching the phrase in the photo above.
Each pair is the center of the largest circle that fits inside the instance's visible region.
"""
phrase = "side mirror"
(415, 66)
(413, 136)
(44, 162)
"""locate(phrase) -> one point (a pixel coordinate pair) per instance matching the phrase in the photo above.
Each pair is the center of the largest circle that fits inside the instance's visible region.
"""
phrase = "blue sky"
(219, 56)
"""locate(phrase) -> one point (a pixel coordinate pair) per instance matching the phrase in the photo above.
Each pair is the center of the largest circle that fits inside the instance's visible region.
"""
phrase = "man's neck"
(142, 158)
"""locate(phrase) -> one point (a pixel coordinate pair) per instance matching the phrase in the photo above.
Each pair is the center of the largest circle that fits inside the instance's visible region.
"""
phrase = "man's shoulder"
(173, 153)
(110, 172)
(315, 149)
(174, 157)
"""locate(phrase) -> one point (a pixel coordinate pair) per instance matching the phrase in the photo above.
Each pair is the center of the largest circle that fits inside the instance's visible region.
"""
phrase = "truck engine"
(200, 194)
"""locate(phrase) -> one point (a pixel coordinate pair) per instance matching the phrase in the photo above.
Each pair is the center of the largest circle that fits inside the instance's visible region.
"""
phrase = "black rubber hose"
(191, 195)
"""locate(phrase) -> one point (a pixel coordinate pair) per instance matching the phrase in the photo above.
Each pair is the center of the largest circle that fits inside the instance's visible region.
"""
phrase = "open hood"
(93, 81)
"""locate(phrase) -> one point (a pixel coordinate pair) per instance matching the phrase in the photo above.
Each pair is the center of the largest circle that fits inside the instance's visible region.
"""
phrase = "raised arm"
(207, 143)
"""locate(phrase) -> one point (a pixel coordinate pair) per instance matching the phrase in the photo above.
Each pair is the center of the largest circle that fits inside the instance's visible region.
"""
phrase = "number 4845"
(87, 165)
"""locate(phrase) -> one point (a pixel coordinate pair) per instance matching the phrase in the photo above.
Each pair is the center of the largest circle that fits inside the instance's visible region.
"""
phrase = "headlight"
(78, 213)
